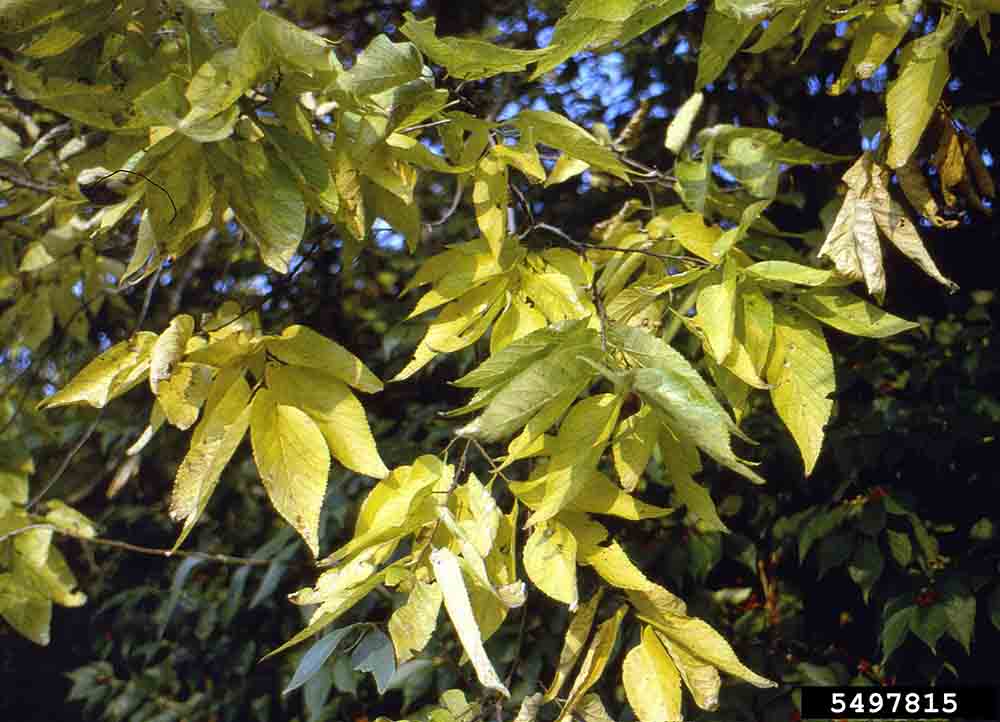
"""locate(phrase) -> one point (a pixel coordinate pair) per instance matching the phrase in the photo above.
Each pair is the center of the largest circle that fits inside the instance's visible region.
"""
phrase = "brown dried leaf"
(918, 193)
(950, 162)
(974, 160)
(899, 229)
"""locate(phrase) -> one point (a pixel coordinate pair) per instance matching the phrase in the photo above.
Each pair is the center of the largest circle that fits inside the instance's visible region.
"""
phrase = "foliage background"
(915, 419)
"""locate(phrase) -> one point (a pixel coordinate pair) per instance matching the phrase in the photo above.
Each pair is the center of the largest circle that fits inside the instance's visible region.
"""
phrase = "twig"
(450, 211)
(26, 182)
(148, 180)
(618, 249)
(152, 551)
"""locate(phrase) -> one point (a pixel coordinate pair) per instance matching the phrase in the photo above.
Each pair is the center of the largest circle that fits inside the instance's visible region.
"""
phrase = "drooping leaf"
(680, 127)
(668, 383)
(266, 199)
(800, 372)
(914, 94)
(456, 602)
(652, 682)
(577, 633)
(335, 410)
(412, 625)
(594, 661)
(550, 561)
(293, 461)
(698, 639)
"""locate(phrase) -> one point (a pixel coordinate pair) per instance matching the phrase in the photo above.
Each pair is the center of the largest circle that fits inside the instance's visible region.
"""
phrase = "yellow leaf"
(701, 679)
(25, 609)
(800, 372)
(550, 561)
(335, 410)
(489, 195)
(460, 324)
(213, 443)
(752, 333)
(517, 321)
(703, 642)
(412, 625)
(301, 346)
(111, 374)
(691, 232)
(566, 167)
(633, 445)
(169, 349)
(652, 682)
(913, 96)
(594, 661)
(680, 127)
(576, 636)
(717, 310)
(183, 392)
(293, 461)
(456, 603)
(394, 507)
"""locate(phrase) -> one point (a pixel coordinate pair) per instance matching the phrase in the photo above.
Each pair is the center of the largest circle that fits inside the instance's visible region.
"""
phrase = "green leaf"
(668, 382)
(531, 390)
(800, 372)
(293, 461)
(819, 527)
(315, 657)
(960, 609)
(720, 40)
(374, 654)
(563, 134)
(652, 682)
(900, 547)
(866, 566)
(225, 76)
(381, 66)
(456, 602)
(929, 624)
(788, 272)
(895, 629)
(266, 199)
(841, 309)
(465, 58)
(301, 346)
